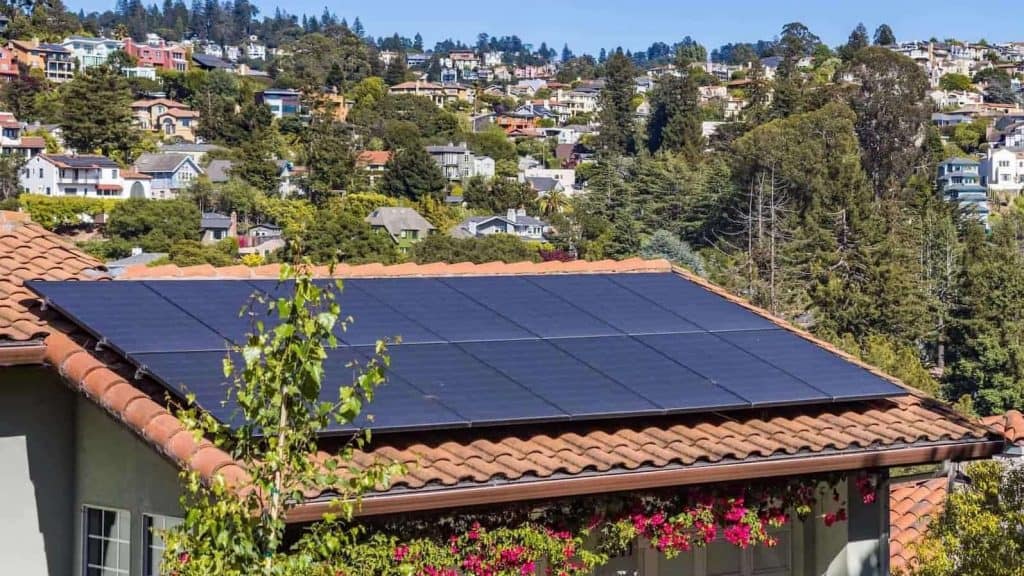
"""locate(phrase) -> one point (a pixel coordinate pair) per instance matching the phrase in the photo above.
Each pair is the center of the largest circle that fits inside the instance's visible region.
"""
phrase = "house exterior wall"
(39, 176)
(60, 453)
(37, 446)
(115, 469)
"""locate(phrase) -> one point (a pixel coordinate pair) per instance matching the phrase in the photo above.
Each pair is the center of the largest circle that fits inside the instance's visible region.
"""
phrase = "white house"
(1003, 170)
(90, 52)
(254, 50)
(515, 223)
(83, 175)
(565, 177)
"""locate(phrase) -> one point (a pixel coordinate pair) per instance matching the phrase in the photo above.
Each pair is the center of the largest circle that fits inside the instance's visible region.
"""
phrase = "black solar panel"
(560, 379)
(448, 313)
(745, 375)
(489, 350)
(130, 316)
(828, 372)
(622, 308)
(468, 386)
(529, 306)
(692, 302)
(651, 374)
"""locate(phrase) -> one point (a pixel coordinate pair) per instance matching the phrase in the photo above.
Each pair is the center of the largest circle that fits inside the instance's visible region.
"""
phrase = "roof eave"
(797, 465)
(22, 353)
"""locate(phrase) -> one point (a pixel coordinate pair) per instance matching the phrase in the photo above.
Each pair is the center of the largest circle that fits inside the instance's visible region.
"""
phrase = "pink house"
(156, 53)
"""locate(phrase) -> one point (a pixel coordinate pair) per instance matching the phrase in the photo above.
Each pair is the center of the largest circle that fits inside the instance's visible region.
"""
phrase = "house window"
(40, 172)
(153, 547)
(721, 558)
(113, 173)
(106, 547)
(1004, 163)
(70, 191)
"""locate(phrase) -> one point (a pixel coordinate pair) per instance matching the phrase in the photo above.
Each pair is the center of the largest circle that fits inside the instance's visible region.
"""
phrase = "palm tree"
(555, 201)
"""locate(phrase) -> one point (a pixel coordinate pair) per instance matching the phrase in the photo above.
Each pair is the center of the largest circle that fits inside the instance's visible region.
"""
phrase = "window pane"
(723, 558)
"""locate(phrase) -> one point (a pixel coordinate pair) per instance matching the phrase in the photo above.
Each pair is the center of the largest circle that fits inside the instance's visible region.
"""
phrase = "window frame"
(84, 540)
(148, 537)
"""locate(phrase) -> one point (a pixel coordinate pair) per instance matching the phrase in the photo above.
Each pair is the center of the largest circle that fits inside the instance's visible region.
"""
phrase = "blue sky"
(587, 25)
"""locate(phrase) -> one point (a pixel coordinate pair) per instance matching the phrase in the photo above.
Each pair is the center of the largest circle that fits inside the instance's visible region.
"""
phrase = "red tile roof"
(373, 158)
(912, 506)
(28, 252)
(1010, 425)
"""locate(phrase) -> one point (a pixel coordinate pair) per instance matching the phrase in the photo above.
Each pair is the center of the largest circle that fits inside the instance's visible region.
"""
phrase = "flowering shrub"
(572, 538)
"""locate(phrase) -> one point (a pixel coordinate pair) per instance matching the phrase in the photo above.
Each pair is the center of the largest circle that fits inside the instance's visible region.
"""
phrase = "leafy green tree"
(884, 36)
(663, 244)
(980, 531)
(413, 174)
(498, 195)
(341, 237)
(675, 122)
(10, 175)
(954, 81)
(492, 248)
(154, 226)
(19, 94)
(97, 113)
(194, 253)
(617, 134)
(796, 42)
(492, 142)
(893, 109)
(285, 399)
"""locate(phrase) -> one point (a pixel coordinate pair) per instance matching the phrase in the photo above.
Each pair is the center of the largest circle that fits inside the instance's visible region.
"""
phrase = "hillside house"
(403, 225)
(173, 120)
(82, 175)
(374, 163)
(959, 181)
(282, 102)
(53, 59)
(440, 94)
(13, 142)
(515, 222)
(157, 53)
(90, 52)
(641, 405)
(1002, 170)
(170, 173)
(215, 227)
(458, 163)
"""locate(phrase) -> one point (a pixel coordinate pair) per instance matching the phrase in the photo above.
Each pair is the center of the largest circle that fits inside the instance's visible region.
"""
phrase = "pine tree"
(675, 122)
(396, 70)
(566, 53)
(617, 124)
(884, 36)
(625, 238)
(858, 40)
(97, 114)
(357, 28)
(417, 43)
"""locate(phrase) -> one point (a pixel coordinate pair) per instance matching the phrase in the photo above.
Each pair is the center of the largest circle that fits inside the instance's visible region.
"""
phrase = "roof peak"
(377, 270)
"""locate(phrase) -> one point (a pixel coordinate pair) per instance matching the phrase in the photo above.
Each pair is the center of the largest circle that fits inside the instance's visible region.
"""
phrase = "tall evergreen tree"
(396, 70)
(675, 122)
(617, 134)
(884, 36)
(858, 40)
(566, 53)
(97, 113)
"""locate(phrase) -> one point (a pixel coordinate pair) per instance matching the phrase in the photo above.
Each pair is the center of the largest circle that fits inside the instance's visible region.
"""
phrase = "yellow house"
(172, 119)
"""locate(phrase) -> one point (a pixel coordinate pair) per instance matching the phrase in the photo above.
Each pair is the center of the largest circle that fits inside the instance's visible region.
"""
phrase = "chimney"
(512, 215)
(136, 251)
(233, 230)
(521, 212)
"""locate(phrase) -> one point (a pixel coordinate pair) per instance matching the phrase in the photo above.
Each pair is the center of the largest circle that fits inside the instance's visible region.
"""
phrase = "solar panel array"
(478, 351)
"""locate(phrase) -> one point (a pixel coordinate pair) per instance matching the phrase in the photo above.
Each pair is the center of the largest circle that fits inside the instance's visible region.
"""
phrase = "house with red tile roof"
(374, 163)
(172, 119)
(92, 444)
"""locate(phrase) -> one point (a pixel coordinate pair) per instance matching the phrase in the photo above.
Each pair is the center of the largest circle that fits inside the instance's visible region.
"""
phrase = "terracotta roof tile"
(28, 252)
(912, 505)
(1010, 425)
(140, 272)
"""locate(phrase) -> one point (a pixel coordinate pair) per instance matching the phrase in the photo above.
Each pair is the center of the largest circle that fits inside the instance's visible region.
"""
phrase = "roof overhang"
(608, 482)
(22, 353)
